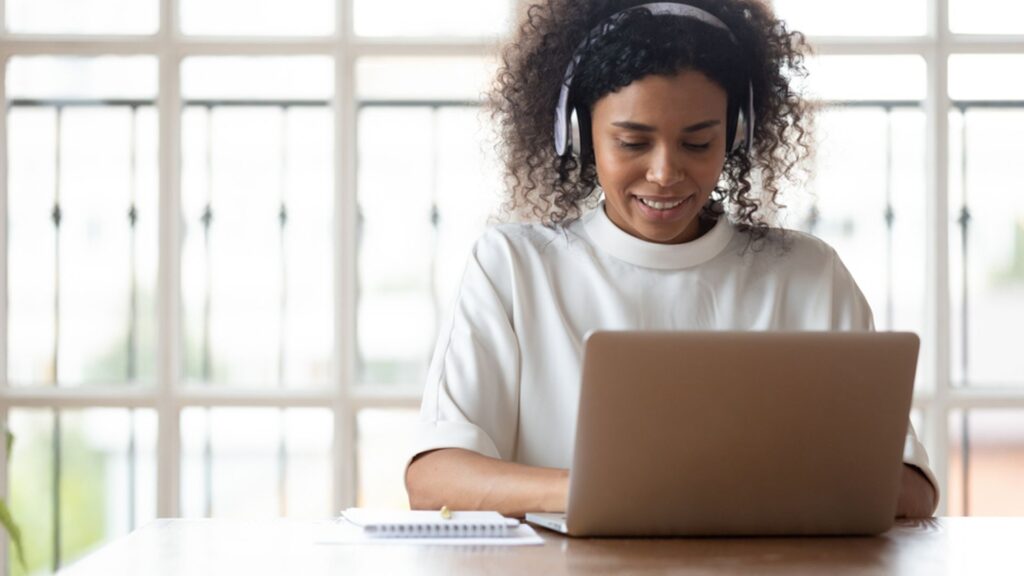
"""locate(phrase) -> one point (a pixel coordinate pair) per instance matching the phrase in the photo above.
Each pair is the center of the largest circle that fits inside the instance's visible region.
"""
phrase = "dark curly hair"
(555, 189)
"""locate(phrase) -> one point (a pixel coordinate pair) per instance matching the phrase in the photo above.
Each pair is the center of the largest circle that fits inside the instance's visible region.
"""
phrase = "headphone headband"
(563, 120)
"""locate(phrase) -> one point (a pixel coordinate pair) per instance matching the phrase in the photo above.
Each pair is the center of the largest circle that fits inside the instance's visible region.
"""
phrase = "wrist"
(558, 494)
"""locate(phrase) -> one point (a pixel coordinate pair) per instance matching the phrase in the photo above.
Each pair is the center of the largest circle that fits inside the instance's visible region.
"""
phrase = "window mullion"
(937, 267)
(345, 210)
(169, 266)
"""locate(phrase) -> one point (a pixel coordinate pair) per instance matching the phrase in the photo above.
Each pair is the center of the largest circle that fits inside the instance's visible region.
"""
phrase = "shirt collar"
(610, 238)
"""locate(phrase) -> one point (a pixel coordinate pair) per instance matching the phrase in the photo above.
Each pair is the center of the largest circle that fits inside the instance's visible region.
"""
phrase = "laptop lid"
(740, 433)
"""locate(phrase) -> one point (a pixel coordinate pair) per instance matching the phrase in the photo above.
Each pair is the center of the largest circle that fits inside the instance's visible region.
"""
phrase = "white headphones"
(744, 134)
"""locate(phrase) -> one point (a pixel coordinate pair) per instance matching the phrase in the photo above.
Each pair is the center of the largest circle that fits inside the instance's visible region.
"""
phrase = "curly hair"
(555, 189)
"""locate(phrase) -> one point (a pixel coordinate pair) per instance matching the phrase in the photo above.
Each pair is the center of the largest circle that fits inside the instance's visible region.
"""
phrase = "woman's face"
(659, 144)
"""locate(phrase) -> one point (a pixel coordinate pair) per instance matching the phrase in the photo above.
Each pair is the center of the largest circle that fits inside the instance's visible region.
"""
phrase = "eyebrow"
(638, 127)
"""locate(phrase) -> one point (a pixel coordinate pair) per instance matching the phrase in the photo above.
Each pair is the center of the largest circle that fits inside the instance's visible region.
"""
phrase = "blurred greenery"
(82, 494)
(390, 372)
(1014, 273)
(13, 531)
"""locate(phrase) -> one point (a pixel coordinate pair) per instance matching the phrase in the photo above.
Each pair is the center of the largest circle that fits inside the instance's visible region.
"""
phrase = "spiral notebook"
(430, 524)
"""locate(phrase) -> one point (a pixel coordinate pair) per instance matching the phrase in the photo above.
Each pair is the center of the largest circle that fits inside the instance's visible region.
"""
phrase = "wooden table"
(285, 547)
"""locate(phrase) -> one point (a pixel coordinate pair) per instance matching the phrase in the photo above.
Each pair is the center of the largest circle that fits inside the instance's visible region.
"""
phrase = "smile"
(661, 204)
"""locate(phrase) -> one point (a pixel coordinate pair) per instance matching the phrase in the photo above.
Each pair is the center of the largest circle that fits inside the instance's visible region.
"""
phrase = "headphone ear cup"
(575, 139)
(743, 135)
(739, 139)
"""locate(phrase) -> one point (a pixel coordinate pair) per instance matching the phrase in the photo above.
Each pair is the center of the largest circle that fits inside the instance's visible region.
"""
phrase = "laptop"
(739, 434)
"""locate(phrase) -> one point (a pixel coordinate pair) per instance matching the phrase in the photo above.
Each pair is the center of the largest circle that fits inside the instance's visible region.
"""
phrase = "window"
(200, 201)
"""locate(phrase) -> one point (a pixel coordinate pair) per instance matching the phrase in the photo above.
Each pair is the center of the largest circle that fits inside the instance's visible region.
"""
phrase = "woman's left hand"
(917, 496)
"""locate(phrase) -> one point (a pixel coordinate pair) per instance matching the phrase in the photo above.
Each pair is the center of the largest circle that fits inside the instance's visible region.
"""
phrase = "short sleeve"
(471, 397)
(850, 311)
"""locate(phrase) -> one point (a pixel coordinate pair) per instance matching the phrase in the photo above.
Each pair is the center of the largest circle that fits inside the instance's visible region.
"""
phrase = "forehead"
(685, 96)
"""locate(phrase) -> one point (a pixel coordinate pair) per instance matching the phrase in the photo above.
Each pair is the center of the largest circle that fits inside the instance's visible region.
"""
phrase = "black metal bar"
(964, 221)
(57, 449)
(131, 369)
(132, 458)
(890, 217)
(282, 452)
(282, 464)
(56, 216)
(965, 451)
(145, 102)
(961, 104)
(435, 217)
(207, 368)
(419, 104)
(443, 103)
(282, 218)
(208, 465)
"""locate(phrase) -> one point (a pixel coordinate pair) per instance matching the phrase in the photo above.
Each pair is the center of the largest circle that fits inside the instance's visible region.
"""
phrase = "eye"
(628, 145)
(697, 147)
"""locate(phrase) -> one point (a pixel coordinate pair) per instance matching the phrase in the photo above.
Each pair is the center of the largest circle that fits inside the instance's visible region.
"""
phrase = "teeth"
(661, 205)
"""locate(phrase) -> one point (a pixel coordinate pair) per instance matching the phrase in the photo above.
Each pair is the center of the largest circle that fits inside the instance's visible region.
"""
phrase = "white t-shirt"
(505, 377)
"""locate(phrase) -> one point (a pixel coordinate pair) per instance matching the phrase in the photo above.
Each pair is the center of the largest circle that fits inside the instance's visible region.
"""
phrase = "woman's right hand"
(465, 480)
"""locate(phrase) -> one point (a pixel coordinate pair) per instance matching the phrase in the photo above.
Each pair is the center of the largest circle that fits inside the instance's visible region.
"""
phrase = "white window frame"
(344, 399)
(167, 398)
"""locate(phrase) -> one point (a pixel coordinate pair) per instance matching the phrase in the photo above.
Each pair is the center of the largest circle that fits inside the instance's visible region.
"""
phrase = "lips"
(663, 208)
(661, 203)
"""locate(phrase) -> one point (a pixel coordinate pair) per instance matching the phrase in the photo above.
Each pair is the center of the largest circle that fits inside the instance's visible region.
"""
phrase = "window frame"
(168, 396)
(344, 398)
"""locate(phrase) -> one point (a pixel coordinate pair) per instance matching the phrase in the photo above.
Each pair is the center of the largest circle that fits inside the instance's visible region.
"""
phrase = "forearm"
(464, 480)
(917, 496)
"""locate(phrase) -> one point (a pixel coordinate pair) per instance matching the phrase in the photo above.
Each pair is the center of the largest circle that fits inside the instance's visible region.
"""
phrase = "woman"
(649, 219)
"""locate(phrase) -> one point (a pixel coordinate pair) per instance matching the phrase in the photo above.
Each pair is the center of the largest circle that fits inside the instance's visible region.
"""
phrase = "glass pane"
(107, 478)
(30, 488)
(258, 17)
(867, 194)
(309, 449)
(987, 247)
(256, 463)
(990, 483)
(271, 78)
(384, 438)
(101, 462)
(986, 77)
(82, 78)
(257, 189)
(415, 78)
(397, 315)
(449, 187)
(82, 16)
(986, 16)
(841, 78)
(867, 18)
(91, 167)
(438, 18)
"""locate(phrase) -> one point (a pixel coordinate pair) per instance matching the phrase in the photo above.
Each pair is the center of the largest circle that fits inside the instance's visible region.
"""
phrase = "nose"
(665, 170)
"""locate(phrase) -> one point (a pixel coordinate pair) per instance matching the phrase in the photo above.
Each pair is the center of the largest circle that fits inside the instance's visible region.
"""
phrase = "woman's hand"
(917, 496)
